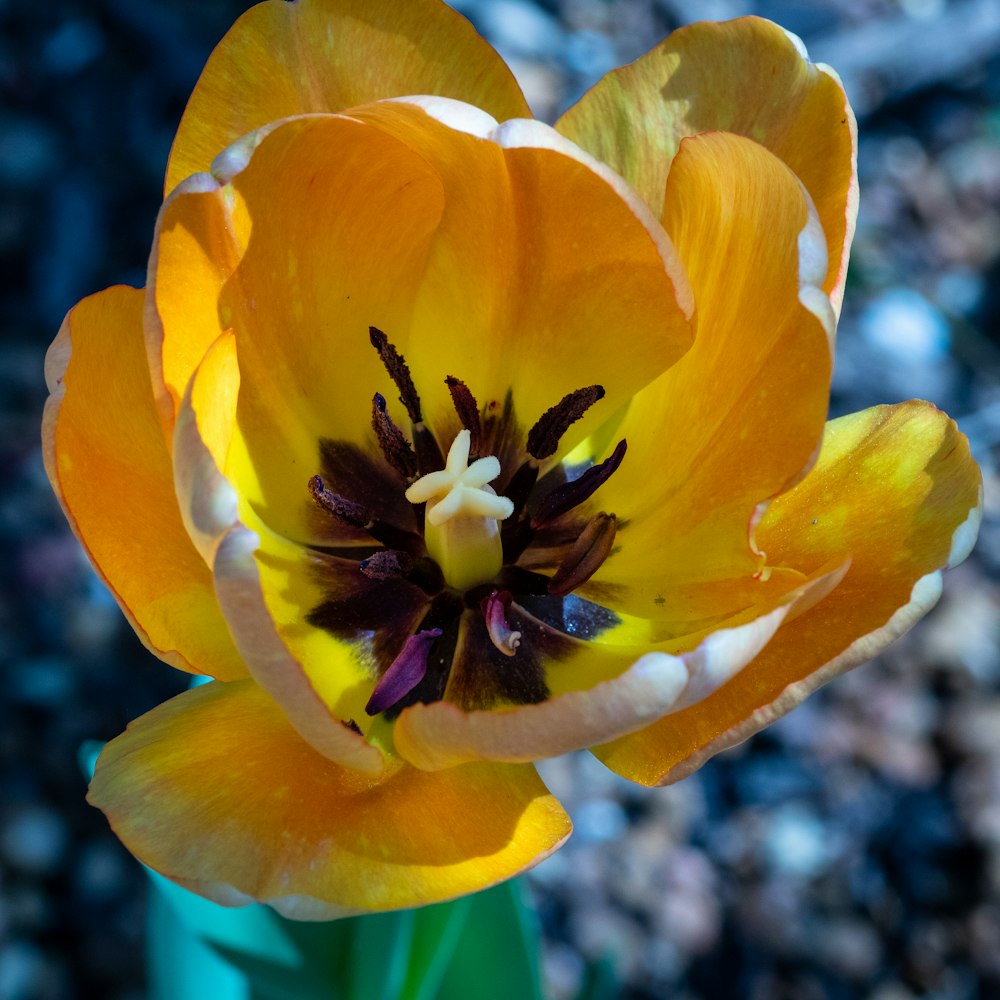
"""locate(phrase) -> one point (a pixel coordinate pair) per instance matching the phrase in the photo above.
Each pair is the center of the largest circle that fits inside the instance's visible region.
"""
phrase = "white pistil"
(461, 530)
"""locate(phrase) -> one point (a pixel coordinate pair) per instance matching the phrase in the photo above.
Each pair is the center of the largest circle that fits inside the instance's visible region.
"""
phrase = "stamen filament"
(494, 610)
(586, 555)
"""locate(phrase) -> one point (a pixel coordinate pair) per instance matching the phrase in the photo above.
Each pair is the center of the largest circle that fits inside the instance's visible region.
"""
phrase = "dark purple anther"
(398, 371)
(467, 409)
(543, 438)
(586, 555)
(494, 610)
(570, 495)
(340, 507)
(404, 673)
(385, 564)
(397, 450)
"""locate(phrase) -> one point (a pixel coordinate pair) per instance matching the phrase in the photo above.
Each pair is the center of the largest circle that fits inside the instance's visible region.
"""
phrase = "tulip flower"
(442, 441)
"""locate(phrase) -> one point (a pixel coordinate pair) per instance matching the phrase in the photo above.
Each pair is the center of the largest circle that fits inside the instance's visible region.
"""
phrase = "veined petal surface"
(739, 418)
(215, 789)
(109, 465)
(476, 260)
(282, 59)
(747, 76)
(896, 490)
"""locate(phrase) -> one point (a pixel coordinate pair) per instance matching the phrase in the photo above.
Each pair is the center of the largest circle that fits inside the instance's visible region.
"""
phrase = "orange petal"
(747, 76)
(471, 278)
(107, 460)
(339, 242)
(215, 790)
(895, 489)
(739, 417)
(539, 246)
(282, 59)
(441, 735)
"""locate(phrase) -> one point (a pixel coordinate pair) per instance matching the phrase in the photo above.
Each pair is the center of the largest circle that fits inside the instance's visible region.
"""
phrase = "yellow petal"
(746, 76)
(739, 417)
(108, 463)
(895, 489)
(215, 789)
(282, 59)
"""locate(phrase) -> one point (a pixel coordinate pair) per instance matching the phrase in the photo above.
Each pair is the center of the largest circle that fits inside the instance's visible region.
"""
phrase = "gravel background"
(853, 850)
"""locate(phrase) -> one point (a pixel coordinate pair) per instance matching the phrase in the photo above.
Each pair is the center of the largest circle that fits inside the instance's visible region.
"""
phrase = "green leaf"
(380, 954)
(436, 933)
(497, 955)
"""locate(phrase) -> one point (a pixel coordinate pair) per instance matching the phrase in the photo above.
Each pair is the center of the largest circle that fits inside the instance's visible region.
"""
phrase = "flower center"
(461, 522)
(447, 589)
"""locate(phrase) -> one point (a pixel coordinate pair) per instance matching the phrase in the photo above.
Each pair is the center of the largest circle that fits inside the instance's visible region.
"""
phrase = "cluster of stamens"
(472, 540)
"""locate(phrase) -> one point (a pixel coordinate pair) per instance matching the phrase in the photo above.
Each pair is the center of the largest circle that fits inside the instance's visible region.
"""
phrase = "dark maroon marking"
(405, 672)
(398, 371)
(397, 450)
(494, 608)
(429, 457)
(386, 563)
(444, 613)
(370, 482)
(543, 438)
(483, 677)
(503, 438)
(352, 725)
(585, 556)
(374, 615)
(468, 411)
(340, 507)
(564, 498)
(519, 489)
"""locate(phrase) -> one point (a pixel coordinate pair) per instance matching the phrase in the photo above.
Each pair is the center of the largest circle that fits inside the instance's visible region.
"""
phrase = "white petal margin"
(851, 208)
(272, 666)
(925, 594)
(527, 133)
(965, 535)
(209, 507)
(297, 907)
(441, 735)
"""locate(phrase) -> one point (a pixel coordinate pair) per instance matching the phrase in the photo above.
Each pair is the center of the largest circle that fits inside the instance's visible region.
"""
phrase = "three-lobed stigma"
(461, 521)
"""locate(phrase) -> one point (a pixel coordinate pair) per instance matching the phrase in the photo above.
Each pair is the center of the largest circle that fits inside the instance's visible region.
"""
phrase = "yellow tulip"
(444, 441)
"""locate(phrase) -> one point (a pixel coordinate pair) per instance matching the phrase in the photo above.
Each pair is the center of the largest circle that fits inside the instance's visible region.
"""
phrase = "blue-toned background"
(853, 850)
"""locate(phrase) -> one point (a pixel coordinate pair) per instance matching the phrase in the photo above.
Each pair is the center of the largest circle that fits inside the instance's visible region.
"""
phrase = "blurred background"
(852, 850)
